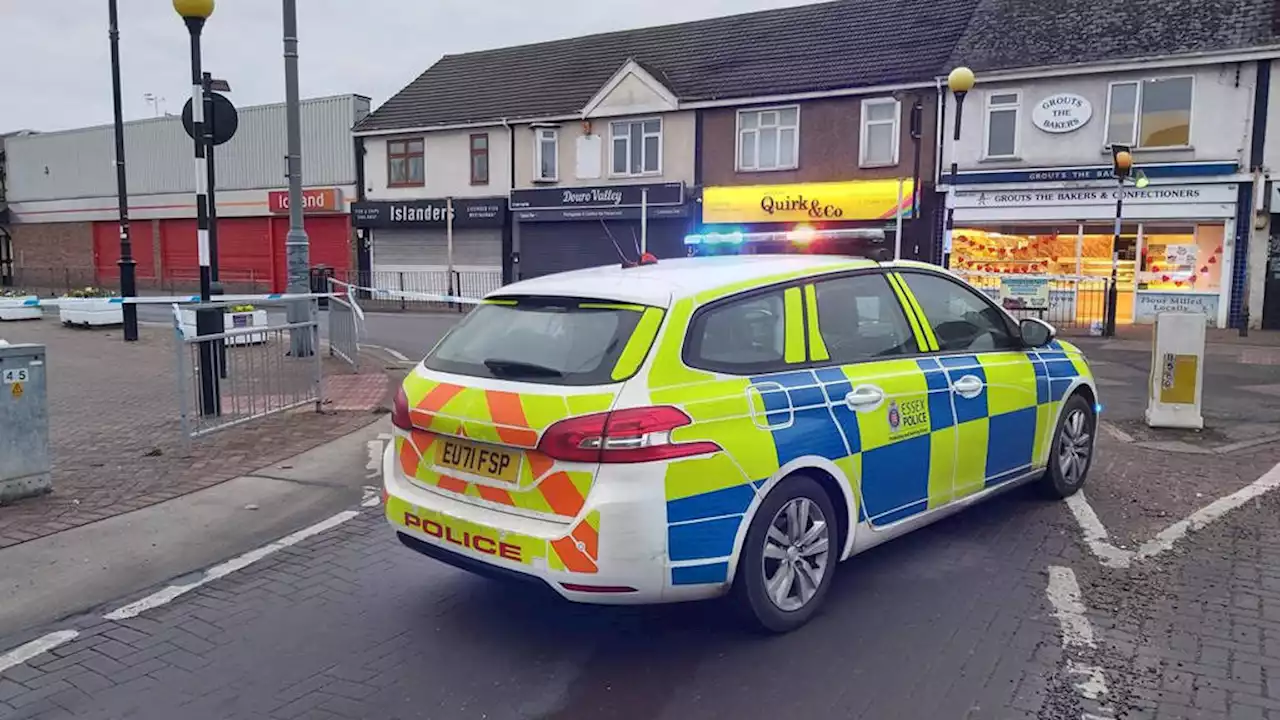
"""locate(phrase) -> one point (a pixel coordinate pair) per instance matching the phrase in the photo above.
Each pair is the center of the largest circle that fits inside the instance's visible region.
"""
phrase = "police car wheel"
(1071, 454)
(789, 556)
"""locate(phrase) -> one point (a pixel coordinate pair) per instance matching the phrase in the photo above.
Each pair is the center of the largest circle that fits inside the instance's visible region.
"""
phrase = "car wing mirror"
(1036, 332)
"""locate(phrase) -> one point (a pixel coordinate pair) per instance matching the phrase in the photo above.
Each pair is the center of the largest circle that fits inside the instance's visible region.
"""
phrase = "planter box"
(231, 321)
(90, 312)
(15, 308)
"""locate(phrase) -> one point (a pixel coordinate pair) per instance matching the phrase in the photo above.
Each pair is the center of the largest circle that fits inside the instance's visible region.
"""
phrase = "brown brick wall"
(53, 257)
(829, 139)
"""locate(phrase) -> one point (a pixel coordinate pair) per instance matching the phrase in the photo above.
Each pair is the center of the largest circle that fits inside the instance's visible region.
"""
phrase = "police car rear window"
(552, 341)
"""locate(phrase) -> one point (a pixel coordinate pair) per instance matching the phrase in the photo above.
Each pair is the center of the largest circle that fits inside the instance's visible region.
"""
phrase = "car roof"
(665, 281)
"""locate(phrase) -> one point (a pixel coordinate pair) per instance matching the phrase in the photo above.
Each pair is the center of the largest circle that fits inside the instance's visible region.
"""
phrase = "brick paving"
(949, 622)
(115, 436)
(1195, 633)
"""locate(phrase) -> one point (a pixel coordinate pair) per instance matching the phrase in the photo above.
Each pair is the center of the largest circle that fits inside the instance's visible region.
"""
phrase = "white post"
(448, 232)
(644, 220)
(897, 235)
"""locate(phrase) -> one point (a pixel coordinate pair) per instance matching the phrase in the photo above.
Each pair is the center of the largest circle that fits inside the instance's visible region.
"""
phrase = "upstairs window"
(769, 139)
(1001, 135)
(879, 132)
(1152, 113)
(405, 166)
(546, 151)
(636, 147)
(480, 159)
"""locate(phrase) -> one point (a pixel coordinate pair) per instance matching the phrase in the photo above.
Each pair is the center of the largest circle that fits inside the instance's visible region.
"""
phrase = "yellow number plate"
(476, 459)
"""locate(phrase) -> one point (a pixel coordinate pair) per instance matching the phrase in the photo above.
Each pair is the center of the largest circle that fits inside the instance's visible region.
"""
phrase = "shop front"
(415, 246)
(1174, 242)
(858, 217)
(567, 228)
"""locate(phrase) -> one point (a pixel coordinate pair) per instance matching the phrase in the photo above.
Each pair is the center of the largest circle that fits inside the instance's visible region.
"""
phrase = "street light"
(208, 319)
(128, 275)
(960, 81)
(1121, 168)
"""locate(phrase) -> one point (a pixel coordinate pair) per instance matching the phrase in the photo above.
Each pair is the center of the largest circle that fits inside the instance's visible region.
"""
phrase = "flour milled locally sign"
(467, 212)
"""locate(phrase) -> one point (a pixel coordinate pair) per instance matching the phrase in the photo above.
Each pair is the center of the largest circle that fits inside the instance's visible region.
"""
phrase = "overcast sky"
(56, 58)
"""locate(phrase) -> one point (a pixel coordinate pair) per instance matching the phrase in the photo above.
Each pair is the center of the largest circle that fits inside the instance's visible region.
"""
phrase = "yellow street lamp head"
(193, 9)
(961, 80)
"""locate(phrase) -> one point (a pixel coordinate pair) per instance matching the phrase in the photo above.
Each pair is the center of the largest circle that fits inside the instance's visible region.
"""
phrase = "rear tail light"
(400, 411)
(598, 589)
(623, 436)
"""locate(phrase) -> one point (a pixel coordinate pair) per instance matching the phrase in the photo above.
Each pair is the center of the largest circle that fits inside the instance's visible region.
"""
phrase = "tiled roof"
(1007, 34)
(842, 44)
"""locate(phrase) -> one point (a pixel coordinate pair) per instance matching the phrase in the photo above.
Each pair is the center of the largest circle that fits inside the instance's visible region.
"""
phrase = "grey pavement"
(951, 621)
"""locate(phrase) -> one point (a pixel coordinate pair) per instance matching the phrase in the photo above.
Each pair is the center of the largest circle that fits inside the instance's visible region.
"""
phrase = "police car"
(700, 426)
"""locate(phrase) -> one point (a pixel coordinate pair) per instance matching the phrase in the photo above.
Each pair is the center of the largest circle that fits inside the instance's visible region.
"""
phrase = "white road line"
(1096, 537)
(1116, 432)
(1064, 595)
(1078, 643)
(393, 353)
(1214, 510)
(168, 594)
(1095, 533)
(36, 647)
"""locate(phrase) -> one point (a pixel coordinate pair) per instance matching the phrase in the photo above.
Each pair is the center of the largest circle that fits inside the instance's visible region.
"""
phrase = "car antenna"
(616, 246)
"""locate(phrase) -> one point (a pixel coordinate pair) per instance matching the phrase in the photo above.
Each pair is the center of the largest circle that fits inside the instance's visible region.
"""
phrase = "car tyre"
(789, 556)
(1071, 454)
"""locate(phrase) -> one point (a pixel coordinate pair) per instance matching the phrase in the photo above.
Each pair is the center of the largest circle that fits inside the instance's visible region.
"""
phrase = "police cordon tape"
(378, 293)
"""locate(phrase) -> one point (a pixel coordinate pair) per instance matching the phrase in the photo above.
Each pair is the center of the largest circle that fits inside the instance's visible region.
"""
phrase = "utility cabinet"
(25, 465)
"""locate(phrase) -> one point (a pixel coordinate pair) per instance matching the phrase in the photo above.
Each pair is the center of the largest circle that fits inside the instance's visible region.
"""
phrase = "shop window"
(880, 132)
(637, 147)
(405, 164)
(546, 151)
(1150, 113)
(1016, 249)
(1181, 257)
(769, 139)
(480, 159)
(1001, 134)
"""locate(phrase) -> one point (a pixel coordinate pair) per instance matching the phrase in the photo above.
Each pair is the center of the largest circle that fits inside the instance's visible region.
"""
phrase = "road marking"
(36, 647)
(1116, 432)
(399, 356)
(1095, 533)
(1078, 643)
(1099, 543)
(1207, 514)
(1064, 595)
(170, 593)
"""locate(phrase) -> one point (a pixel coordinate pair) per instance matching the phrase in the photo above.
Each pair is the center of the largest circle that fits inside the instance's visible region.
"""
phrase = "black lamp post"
(128, 278)
(1121, 166)
(208, 319)
(960, 81)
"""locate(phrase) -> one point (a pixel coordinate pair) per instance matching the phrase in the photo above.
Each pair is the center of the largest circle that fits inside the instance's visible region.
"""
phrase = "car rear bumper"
(614, 552)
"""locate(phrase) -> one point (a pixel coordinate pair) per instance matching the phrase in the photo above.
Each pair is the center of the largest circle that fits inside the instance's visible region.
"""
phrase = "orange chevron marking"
(497, 495)
(561, 495)
(452, 484)
(589, 538)
(573, 558)
(509, 420)
(437, 398)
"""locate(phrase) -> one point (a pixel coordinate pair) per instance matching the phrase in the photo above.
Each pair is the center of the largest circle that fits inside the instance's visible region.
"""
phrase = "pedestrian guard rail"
(1077, 302)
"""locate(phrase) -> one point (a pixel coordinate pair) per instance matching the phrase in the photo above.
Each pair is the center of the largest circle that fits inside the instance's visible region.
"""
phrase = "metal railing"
(383, 290)
(61, 280)
(1076, 302)
(253, 372)
(346, 320)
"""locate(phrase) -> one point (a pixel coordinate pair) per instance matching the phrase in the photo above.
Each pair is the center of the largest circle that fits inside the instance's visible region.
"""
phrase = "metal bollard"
(25, 465)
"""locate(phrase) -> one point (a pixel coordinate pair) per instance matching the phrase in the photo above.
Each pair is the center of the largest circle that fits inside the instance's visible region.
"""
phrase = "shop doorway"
(1271, 298)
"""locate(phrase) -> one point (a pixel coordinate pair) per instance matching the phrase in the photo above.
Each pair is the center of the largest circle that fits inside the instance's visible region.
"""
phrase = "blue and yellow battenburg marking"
(921, 448)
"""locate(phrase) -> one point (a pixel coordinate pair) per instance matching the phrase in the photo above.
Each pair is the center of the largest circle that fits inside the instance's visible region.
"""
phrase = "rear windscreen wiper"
(516, 367)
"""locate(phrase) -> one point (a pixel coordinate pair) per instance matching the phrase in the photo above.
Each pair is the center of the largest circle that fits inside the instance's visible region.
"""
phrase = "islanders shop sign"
(809, 202)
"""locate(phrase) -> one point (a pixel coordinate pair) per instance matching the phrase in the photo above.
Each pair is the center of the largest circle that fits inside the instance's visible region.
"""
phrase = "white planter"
(16, 308)
(231, 321)
(92, 312)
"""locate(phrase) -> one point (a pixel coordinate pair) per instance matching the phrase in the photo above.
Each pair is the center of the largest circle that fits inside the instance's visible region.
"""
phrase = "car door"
(896, 419)
(1000, 427)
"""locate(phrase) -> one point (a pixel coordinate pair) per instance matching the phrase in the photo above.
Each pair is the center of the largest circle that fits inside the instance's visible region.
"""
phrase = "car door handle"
(864, 397)
(969, 386)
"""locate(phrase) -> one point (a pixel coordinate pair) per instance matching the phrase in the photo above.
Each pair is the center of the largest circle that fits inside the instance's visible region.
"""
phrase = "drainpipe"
(510, 227)
(939, 139)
